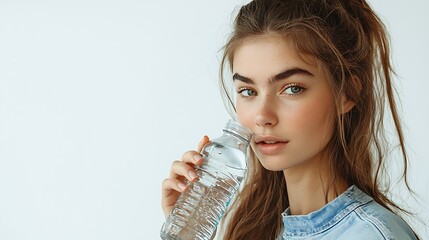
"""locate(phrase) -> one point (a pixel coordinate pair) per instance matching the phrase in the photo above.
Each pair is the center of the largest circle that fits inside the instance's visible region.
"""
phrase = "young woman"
(311, 79)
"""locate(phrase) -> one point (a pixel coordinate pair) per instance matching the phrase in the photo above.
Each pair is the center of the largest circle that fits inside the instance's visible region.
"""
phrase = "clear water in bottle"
(199, 209)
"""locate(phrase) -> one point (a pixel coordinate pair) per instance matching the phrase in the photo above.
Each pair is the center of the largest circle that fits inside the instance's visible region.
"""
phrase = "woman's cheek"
(316, 119)
(244, 115)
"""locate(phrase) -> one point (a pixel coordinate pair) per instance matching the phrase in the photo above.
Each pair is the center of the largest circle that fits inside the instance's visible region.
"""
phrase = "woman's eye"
(293, 90)
(247, 92)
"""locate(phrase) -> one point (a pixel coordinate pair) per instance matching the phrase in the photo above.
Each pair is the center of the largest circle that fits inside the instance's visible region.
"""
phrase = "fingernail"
(197, 157)
(192, 175)
(181, 186)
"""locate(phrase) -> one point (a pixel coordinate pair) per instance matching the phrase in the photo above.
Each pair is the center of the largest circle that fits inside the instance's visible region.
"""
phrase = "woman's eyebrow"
(244, 79)
(289, 73)
(281, 76)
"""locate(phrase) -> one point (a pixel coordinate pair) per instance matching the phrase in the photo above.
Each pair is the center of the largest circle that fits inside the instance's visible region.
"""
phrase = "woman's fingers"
(171, 190)
(175, 185)
(181, 171)
(170, 184)
(186, 167)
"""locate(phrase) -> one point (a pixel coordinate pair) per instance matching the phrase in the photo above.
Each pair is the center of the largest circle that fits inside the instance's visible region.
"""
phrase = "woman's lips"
(270, 148)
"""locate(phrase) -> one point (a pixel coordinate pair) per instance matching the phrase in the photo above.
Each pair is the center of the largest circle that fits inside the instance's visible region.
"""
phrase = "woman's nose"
(266, 115)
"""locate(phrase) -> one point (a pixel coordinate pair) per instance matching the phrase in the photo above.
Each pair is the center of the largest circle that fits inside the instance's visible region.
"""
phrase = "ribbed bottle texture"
(200, 208)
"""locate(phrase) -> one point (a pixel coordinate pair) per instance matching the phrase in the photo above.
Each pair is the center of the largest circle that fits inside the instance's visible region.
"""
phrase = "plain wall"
(97, 98)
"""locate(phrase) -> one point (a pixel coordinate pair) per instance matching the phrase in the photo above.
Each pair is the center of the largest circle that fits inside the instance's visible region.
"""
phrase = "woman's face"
(284, 100)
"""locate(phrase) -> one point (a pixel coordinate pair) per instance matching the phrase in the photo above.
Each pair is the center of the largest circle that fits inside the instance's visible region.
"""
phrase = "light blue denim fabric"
(352, 215)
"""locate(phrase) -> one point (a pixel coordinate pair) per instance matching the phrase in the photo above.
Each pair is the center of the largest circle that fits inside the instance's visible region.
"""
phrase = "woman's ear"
(347, 103)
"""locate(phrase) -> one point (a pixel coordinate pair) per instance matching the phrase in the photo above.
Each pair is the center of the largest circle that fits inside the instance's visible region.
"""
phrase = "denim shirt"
(352, 215)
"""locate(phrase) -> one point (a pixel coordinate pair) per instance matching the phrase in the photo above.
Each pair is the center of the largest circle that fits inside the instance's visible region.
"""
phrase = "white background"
(98, 97)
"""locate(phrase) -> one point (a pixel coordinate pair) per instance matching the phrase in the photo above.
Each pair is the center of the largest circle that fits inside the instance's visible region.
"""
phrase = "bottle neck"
(238, 130)
(237, 136)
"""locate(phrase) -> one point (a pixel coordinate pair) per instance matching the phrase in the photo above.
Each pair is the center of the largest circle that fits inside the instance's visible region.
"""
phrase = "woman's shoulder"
(352, 215)
(366, 219)
(380, 220)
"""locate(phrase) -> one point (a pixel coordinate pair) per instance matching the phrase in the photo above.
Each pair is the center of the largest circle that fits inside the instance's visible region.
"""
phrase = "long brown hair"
(351, 46)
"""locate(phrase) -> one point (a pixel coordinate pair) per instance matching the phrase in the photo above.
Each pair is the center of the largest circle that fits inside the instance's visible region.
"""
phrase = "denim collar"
(326, 217)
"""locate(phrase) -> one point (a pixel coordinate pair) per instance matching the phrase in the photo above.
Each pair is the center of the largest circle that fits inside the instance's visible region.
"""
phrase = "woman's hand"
(180, 170)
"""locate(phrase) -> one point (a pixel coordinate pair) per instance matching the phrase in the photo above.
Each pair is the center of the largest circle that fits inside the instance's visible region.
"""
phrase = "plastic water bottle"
(199, 209)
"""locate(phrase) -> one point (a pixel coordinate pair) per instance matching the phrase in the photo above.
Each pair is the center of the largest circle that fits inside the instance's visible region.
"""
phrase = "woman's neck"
(307, 187)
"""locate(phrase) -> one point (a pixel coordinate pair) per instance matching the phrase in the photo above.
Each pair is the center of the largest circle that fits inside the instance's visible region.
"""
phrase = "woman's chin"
(270, 166)
(275, 164)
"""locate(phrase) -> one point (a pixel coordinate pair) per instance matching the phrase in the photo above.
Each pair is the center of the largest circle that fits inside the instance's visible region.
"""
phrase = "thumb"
(203, 142)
